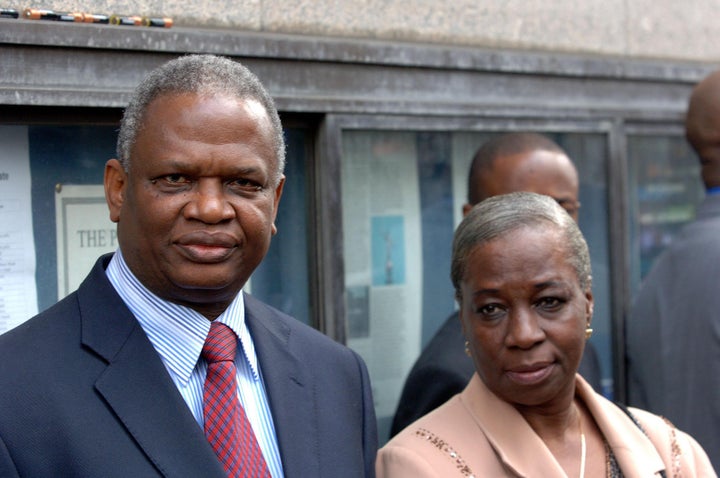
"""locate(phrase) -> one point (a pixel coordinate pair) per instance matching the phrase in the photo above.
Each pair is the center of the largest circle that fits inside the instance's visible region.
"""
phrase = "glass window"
(61, 155)
(281, 280)
(665, 190)
(402, 196)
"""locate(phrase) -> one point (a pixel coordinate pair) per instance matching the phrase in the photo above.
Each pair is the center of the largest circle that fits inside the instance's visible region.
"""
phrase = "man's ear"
(276, 202)
(115, 183)
(466, 209)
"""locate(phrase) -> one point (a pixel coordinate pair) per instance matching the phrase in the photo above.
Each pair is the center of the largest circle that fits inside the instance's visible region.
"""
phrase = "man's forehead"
(534, 171)
(535, 159)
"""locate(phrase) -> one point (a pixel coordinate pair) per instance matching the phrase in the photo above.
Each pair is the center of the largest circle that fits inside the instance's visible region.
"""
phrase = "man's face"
(195, 211)
(542, 172)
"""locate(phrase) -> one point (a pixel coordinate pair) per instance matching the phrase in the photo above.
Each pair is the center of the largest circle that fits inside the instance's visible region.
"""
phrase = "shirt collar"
(177, 332)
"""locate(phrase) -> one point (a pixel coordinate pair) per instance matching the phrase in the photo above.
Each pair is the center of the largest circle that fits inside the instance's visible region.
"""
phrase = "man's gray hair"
(498, 215)
(199, 74)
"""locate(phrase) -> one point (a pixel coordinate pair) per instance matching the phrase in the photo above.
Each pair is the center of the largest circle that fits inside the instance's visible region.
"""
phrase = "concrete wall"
(660, 29)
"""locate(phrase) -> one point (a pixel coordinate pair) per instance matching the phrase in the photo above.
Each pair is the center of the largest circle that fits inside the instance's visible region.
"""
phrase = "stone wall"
(659, 29)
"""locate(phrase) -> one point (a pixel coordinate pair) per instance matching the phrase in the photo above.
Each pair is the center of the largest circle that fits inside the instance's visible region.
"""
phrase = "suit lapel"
(137, 387)
(290, 391)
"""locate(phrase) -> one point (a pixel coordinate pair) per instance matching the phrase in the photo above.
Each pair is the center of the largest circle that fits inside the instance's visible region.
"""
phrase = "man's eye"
(175, 178)
(170, 179)
(570, 205)
(247, 184)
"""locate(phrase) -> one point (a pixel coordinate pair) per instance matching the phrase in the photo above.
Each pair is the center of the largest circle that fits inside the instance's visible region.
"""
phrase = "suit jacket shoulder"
(320, 396)
(85, 371)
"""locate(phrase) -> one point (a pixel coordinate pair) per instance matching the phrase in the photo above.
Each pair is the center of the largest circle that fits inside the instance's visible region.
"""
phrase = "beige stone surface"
(559, 24)
(677, 29)
(633, 28)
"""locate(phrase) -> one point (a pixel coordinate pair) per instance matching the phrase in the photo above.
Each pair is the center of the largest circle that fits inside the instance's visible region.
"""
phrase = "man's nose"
(209, 202)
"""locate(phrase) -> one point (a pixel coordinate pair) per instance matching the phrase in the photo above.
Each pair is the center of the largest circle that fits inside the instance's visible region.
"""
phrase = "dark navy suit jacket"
(84, 394)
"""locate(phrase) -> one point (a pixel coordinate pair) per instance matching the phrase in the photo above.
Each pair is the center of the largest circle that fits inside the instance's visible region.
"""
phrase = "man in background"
(508, 163)
(673, 332)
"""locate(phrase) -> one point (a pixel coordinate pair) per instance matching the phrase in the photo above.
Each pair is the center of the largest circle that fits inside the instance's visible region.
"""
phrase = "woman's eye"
(490, 310)
(550, 303)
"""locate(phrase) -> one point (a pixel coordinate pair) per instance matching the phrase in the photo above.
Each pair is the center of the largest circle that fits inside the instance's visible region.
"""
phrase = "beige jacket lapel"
(514, 442)
(633, 450)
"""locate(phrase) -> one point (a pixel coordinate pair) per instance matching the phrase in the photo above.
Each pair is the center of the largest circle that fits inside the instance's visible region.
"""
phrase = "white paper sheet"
(18, 292)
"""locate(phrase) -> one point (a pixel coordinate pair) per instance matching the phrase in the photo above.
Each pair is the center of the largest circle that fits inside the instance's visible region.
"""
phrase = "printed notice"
(84, 232)
(18, 293)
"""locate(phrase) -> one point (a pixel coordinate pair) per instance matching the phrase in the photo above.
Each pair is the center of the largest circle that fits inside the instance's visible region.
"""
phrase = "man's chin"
(205, 292)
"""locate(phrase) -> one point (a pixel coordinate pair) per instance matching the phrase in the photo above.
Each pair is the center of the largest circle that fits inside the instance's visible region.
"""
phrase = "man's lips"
(530, 374)
(206, 247)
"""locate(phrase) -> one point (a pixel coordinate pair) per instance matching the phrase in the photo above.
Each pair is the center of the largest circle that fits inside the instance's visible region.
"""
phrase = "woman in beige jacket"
(521, 272)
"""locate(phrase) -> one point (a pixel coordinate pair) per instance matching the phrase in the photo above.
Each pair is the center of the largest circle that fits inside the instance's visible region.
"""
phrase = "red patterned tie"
(226, 425)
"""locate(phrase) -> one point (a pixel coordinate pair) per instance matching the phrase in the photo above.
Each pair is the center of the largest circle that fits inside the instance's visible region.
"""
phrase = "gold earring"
(467, 348)
(588, 333)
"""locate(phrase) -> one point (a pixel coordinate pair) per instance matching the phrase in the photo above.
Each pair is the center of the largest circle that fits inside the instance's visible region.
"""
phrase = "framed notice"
(84, 232)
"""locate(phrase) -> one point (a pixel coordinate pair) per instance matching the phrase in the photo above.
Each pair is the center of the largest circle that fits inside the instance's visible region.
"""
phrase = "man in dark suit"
(111, 380)
(508, 163)
(673, 331)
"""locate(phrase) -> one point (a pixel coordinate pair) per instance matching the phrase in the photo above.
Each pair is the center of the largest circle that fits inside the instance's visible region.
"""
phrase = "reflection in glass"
(665, 190)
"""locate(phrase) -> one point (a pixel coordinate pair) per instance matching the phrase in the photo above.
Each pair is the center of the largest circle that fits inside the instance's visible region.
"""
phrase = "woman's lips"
(531, 374)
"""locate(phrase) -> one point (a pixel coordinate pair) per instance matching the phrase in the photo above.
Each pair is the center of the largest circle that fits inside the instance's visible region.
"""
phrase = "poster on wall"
(84, 232)
(18, 292)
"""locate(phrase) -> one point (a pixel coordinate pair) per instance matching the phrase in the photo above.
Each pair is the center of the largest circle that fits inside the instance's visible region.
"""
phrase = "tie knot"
(220, 345)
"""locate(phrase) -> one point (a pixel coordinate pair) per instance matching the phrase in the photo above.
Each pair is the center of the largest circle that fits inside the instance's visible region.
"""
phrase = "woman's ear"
(458, 299)
(115, 182)
(589, 306)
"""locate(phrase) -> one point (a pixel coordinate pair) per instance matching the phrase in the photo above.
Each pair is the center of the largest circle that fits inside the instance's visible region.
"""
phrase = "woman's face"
(524, 315)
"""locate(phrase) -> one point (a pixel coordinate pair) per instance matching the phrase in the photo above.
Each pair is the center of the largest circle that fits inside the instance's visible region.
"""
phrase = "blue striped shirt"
(178, 333)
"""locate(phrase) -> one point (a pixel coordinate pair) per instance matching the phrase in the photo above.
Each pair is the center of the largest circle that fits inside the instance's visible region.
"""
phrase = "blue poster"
(388, 250)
